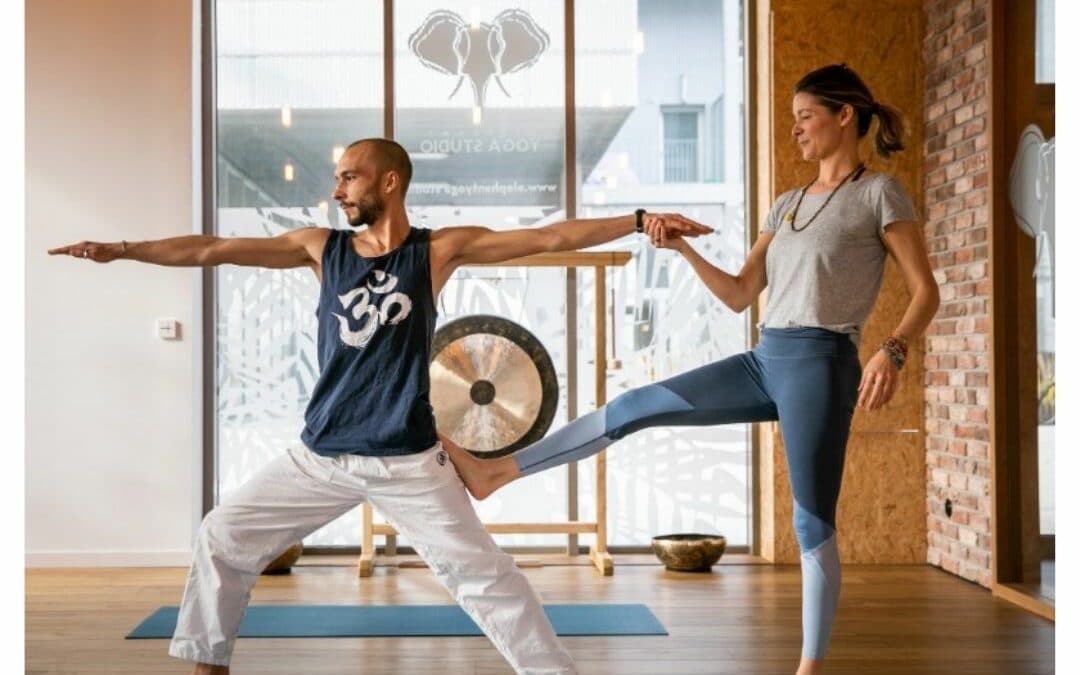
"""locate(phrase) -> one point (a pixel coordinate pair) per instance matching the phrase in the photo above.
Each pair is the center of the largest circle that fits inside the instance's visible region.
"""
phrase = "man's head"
(372, 174)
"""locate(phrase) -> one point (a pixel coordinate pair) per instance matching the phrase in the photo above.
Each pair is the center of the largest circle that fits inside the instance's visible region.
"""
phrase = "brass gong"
(493, 386)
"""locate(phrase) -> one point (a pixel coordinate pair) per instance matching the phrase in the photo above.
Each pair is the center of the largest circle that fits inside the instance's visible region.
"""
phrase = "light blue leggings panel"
(807, 378)
(821, 594)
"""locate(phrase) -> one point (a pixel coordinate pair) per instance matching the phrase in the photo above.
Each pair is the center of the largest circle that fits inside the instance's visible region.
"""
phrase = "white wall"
(111, 455)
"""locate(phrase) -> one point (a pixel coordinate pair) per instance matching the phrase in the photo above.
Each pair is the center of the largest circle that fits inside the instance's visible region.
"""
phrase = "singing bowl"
(689, 552)
(493, 385)
(284, 562)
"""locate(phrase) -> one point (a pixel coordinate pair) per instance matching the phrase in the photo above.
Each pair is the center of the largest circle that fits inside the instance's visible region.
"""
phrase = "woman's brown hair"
(837, 85)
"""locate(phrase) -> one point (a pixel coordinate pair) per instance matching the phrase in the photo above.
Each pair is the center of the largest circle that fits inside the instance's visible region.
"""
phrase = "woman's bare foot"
(207, 669)
(481, 476)
(810, 667)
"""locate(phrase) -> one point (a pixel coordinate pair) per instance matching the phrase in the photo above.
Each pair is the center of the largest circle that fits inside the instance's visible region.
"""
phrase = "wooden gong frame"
(598, 554)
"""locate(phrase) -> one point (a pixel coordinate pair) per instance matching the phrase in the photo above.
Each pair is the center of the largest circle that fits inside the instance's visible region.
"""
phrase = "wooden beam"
(578, 527)
(367, 552)
(566, 259)
(1019, 597)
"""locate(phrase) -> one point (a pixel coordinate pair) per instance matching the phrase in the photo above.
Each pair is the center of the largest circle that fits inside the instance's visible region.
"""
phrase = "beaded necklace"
(790, 217)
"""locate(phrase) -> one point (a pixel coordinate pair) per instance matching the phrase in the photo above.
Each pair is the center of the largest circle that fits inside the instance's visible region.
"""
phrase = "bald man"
(369, 432)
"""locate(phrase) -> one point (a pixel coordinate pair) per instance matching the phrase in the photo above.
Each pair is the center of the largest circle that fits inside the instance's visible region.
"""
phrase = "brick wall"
(957, 357)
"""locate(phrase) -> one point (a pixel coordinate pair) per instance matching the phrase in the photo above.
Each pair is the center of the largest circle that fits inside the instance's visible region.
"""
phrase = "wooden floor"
(741, 618)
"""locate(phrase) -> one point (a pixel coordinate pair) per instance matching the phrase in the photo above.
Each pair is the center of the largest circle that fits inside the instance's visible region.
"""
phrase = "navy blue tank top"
(376, 323)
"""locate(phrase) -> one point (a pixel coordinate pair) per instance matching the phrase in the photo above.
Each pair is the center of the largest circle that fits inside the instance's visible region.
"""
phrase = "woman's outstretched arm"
(737, 291)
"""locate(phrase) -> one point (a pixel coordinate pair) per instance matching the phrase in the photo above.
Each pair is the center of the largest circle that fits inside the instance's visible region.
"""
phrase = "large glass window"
(1044, 278)
(669, 79)
(479, 93)
(296, 82)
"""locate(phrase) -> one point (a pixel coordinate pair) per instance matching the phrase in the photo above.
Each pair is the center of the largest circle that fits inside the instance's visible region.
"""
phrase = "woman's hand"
(880, 379)
(665, 239)
(666, 230)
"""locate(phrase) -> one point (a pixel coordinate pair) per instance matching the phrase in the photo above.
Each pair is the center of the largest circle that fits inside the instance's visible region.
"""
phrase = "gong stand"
(598, 554)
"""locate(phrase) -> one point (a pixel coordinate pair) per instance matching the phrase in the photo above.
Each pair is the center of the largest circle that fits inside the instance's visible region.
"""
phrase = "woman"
(822, 252)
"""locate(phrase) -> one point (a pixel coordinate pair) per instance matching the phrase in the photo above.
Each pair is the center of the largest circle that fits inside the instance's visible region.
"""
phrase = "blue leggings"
(808, 379)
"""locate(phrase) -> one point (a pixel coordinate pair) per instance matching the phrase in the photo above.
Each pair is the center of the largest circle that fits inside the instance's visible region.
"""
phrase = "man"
(369, 430)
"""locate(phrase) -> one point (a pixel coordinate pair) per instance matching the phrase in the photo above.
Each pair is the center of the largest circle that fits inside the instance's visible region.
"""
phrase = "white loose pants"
(421, 495)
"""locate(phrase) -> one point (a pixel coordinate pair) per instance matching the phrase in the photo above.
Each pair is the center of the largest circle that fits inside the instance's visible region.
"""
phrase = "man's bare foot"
(481, 476)
(207, 669)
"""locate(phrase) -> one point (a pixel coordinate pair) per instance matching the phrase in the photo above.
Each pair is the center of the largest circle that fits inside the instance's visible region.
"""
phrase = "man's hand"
(667, 230)
(674, 224)
(91, 250)
(296, 248)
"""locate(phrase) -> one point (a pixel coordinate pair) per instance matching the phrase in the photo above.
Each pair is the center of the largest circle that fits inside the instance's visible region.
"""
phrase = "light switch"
(167, 329)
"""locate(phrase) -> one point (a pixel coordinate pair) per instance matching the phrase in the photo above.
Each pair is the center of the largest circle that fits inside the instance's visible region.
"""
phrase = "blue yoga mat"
(265, 621)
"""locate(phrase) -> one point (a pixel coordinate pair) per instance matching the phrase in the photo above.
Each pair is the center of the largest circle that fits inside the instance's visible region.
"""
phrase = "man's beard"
(366, 213)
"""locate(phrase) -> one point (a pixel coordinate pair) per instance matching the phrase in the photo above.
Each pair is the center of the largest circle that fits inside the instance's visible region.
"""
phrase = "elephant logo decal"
(366, 312)
(447, 44)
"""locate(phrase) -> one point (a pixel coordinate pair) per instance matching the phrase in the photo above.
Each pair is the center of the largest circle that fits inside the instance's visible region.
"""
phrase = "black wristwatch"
(639, 225)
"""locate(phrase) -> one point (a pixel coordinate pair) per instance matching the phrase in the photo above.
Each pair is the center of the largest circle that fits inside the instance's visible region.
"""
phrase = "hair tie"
(875, 108)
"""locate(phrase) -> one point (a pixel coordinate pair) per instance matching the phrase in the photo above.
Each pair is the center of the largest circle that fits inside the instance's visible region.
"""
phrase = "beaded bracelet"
(896, 347)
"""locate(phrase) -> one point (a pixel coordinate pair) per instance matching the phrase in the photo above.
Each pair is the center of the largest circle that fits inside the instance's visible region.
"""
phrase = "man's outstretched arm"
(297, 248)
(477, 245)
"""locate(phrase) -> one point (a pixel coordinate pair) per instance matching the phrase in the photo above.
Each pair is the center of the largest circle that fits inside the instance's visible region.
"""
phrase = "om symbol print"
(367, 314)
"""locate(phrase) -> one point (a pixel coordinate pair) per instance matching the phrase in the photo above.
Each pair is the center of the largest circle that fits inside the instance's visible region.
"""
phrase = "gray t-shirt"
(829, 274)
